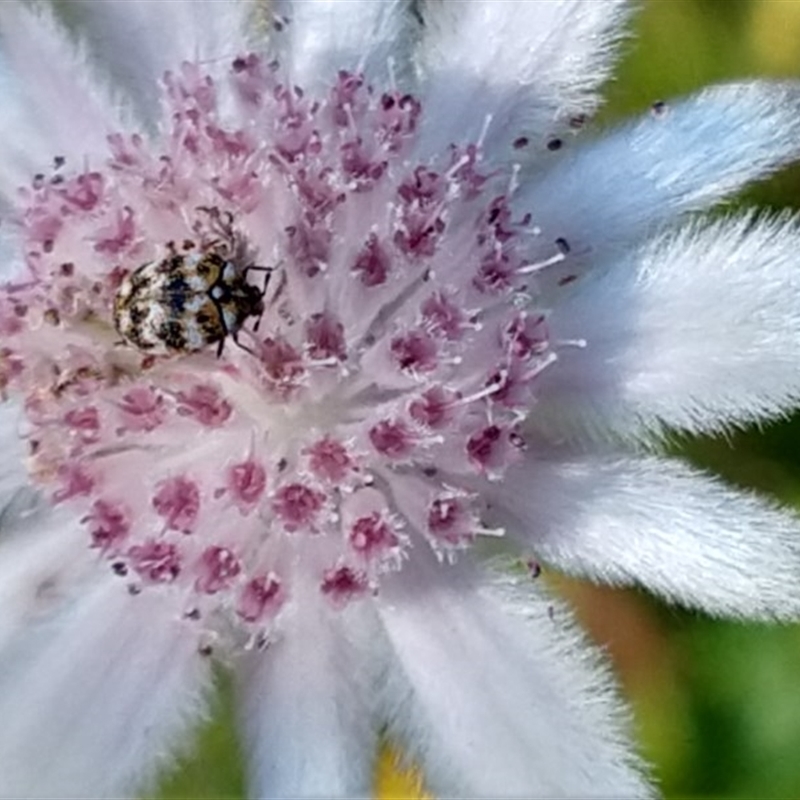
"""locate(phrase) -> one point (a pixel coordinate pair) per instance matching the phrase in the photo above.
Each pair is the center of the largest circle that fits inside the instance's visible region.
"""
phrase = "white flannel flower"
(295, 320)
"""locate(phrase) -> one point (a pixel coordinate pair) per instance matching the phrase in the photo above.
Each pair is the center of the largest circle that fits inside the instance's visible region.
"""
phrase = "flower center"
(388, 376)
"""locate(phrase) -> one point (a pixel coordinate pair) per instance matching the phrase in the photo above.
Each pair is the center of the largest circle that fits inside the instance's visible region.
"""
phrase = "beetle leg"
(267, 275)
(244, 347)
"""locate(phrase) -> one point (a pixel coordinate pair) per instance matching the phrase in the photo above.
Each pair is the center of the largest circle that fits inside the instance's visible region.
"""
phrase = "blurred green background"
(717, 704)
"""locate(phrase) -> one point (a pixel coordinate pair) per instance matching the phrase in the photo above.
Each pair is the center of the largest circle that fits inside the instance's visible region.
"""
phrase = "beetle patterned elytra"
(187, 301)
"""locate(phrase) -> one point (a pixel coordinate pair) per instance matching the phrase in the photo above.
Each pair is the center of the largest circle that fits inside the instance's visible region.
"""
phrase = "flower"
(300, 329)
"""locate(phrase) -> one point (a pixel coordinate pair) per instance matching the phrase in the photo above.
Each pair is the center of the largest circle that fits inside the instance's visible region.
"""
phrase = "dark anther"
(119, 568)
(578, 121)
(555, 144)
(59, 162)
(205, 650)
(239, 64)
(659, 108)
(563, 245)
(521, 142)
(517, 440)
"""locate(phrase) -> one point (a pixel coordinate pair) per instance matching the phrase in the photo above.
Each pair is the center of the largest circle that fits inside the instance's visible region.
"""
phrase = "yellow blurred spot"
(775, 35)
(392, 783)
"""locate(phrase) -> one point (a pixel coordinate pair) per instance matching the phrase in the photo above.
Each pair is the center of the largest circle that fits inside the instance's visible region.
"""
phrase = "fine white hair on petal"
(697, 331)
(13, 475)
(53, 103)
(41, 552)
(317, 38)
(95, 701)
(10, 242)
(641, 520)
(682, 157)
(530, 66)
(25, 149)
(496, 695)
(43, 563)
(306, 704)
(137, 41)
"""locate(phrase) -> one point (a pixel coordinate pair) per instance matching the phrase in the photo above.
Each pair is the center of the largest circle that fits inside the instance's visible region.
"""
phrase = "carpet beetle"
(188, 301)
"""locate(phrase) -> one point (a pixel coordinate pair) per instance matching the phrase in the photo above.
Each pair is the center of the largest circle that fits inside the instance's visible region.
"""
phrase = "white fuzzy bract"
(472, 322)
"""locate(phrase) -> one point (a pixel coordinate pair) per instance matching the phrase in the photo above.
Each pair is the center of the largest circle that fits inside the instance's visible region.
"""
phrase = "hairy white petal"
(24, 148)
(530, 66)
(604, 194)
(42, 552)
(698, 333)
(137, 41)
(317, 38)
(53, 104)
(659, 524)
(13, 475)
(43, 563)
(94, 700)
(306, 705)
(498, 696)
(9, 239)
